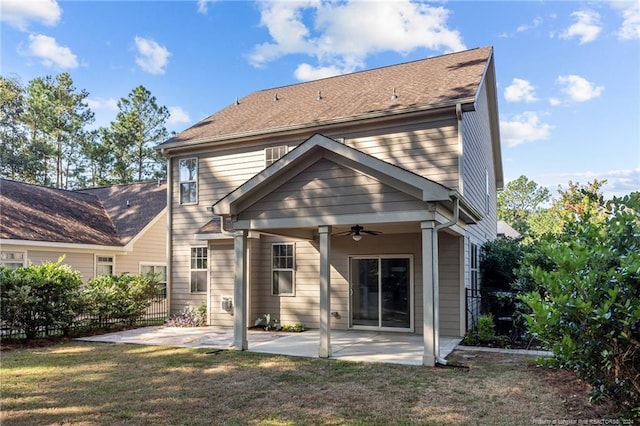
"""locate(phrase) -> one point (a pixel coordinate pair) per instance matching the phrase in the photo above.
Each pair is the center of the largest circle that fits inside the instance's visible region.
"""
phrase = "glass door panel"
(396, 300)
(365, 284)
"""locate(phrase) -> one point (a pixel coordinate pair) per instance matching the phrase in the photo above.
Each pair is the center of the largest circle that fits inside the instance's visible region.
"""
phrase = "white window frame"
(274, 153)
(474, 267)
(194, 180)
(154, 265)
(192, 269)
(5, 259)
(291, 269)
(99, 262)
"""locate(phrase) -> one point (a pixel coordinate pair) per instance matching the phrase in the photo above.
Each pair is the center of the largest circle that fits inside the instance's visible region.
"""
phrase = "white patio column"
(240, 291)
(325, 292)
(428, 305)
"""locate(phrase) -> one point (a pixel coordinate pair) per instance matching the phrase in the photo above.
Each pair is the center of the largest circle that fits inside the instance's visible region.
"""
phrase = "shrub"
(189, 317)
(120, 297)
(587, 304)
(39, 297)
(295, 328)
(486, 328)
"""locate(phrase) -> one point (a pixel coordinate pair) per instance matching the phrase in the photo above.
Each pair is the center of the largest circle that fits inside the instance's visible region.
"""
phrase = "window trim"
(96, 263)
(195, 180)
(273, 160)
(206, 269)
(292, 270)
(154, 265)
(24, 258)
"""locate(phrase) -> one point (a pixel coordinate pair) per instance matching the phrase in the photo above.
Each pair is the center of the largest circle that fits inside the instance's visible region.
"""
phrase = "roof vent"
(275, 98)
(394, 95)
(319, 95)
(128, 204)
(237, 101)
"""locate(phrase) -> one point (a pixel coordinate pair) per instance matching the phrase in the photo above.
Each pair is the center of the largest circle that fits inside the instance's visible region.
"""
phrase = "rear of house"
(353, 202)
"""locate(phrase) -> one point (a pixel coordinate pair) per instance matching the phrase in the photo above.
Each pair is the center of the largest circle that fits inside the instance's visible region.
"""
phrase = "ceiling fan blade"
(364, 231)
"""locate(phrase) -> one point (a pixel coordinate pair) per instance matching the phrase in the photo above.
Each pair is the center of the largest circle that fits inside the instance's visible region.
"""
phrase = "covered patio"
(352, 345)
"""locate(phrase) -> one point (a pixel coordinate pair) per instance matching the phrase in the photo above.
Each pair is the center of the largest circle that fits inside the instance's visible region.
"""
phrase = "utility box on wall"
(226, 304)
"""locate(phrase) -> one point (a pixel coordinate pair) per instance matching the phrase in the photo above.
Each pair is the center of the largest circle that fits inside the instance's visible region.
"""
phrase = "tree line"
(47, 139)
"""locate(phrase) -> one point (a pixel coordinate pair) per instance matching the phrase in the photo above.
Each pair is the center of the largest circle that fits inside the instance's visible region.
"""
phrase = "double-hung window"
(283, 269)
(104, 265)
(12, 259)
(188, 180)
(159, 271)
(199, 261)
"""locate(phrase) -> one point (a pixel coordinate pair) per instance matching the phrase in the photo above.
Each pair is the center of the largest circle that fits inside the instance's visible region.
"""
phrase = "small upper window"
(12, 259)
(188, 181)
(475, 268)
(273, 154)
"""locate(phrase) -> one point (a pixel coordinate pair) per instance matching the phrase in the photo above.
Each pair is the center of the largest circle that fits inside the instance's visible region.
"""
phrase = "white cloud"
(306, 72)
(587, 26)
(340, 35)
(178, 115)
(619, 182)
(152, 57)
(50, 52)
(630, 28)
(101, 103)
(203, 6)
(578, 88)
(525, 127)
(526, 27)
(520, 91)
(555, 101)
(18, 13)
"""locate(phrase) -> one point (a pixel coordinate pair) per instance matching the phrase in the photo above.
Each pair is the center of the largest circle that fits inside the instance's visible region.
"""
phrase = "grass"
(110, 384)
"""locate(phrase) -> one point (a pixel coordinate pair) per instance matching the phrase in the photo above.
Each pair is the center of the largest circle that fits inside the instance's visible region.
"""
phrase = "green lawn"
(109, 384)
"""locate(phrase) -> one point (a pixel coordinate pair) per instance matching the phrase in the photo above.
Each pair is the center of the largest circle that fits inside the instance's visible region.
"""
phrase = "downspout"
(169, 243)
(436, 280)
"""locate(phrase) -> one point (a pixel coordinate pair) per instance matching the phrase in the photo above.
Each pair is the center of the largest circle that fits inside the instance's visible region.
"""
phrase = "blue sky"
(567, 72)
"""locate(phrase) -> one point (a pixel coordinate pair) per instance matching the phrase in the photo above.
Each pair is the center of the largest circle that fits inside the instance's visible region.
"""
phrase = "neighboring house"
(271, 200)
(109, 230)
(506, 231)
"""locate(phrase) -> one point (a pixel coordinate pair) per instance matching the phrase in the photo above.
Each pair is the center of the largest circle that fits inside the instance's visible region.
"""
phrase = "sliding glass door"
(380, 289)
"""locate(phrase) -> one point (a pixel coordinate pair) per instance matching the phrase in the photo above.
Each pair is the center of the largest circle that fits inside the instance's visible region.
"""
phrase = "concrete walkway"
(352, 345)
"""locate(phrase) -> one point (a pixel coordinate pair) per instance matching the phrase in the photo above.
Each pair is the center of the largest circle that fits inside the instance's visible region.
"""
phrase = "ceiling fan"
(357, 231)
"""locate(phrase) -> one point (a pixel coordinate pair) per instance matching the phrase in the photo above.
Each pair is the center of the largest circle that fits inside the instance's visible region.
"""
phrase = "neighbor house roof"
(109, 216)
(425, 84)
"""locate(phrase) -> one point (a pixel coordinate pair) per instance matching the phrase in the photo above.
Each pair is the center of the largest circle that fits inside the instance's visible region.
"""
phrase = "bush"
(120, 297)
(587, 304)
(486, 328)
(39, 297)
(189, 317)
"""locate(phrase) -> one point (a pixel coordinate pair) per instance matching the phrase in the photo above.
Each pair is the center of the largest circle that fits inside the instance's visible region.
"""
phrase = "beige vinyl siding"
(478, 157)
(326, 186)
(450, 284)
(428, 149)
(221, 267)
(81, 262)
(149, 247)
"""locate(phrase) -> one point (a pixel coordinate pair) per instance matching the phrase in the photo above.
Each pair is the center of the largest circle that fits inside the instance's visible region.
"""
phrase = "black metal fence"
(156, 313)
(501, 305)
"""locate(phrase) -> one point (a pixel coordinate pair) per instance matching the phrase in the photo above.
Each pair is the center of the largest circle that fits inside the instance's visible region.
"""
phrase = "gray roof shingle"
(438, 81)
(94, 216)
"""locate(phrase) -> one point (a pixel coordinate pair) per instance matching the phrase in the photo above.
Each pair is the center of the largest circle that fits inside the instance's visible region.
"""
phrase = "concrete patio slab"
(352, 345)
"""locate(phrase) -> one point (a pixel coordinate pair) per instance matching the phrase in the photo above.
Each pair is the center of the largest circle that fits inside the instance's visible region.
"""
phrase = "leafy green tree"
(499, 263)
(587, 303)
(138, 128)
(520, 199)
(12, 133)
(55, 116)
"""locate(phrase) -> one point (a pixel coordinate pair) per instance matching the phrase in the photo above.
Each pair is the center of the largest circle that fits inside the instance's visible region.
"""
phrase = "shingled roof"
(97, 216)
(425, 84)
